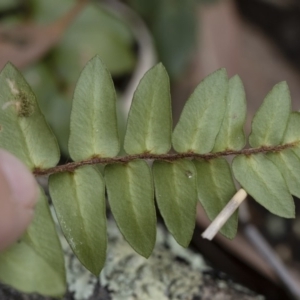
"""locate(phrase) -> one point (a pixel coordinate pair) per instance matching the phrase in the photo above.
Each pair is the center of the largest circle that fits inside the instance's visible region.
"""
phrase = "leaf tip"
(160, 65)
(221, 71)
(282, 84)
(183, 243)
(95, 269)
(160, 68)
(96, 57)
(218, 77)
(97, 60)
(8, 66)
(236, 78)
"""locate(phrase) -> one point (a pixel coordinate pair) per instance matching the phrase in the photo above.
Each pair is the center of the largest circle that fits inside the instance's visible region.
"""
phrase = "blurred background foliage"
(173, 25)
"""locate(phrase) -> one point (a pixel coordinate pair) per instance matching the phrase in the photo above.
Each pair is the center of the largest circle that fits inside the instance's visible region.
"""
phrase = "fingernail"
(22, 183)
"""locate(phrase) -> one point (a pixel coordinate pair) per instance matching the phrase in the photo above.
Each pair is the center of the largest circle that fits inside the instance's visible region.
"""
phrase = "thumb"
(18, 195)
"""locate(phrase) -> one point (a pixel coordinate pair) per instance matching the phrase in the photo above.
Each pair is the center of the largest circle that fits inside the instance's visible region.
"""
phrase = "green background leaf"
(23, 129)
(149, 122)
(98, 31)
(263, 181)
(35, 264)
(131, 198)
(270, 121)
(55, 106)
(79, 202)
(231, 135)
(94, 130)
(215, 189)
(176, 196)
(202, 115)
(174, 27)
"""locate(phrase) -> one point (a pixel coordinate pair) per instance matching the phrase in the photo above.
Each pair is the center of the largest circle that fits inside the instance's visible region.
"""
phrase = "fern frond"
(210, 128)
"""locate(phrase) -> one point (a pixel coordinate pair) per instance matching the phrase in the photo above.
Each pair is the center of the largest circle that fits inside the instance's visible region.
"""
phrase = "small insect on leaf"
(24, 105)
(25, 132)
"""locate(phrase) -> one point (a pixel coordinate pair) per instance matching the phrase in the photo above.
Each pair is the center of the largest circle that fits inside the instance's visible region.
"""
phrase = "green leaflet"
(288, 163)
(35, 264)
(93, 128)
(296, 150)
(23, 130)
(231, 135)
(79, 202)
(149, 122)
(202, 115)
(263, 181)
(270, 121)
(176, 196)
(131, 198)
(215, 189)
(292, 133)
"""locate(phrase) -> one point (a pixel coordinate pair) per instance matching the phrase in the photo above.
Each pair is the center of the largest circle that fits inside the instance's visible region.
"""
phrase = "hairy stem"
(70, 167)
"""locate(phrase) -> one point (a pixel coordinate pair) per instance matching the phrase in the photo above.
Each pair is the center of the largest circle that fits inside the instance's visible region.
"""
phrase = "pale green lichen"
(171, 272)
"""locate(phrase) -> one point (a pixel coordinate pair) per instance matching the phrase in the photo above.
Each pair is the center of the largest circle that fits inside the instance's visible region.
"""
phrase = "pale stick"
(224, 215)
